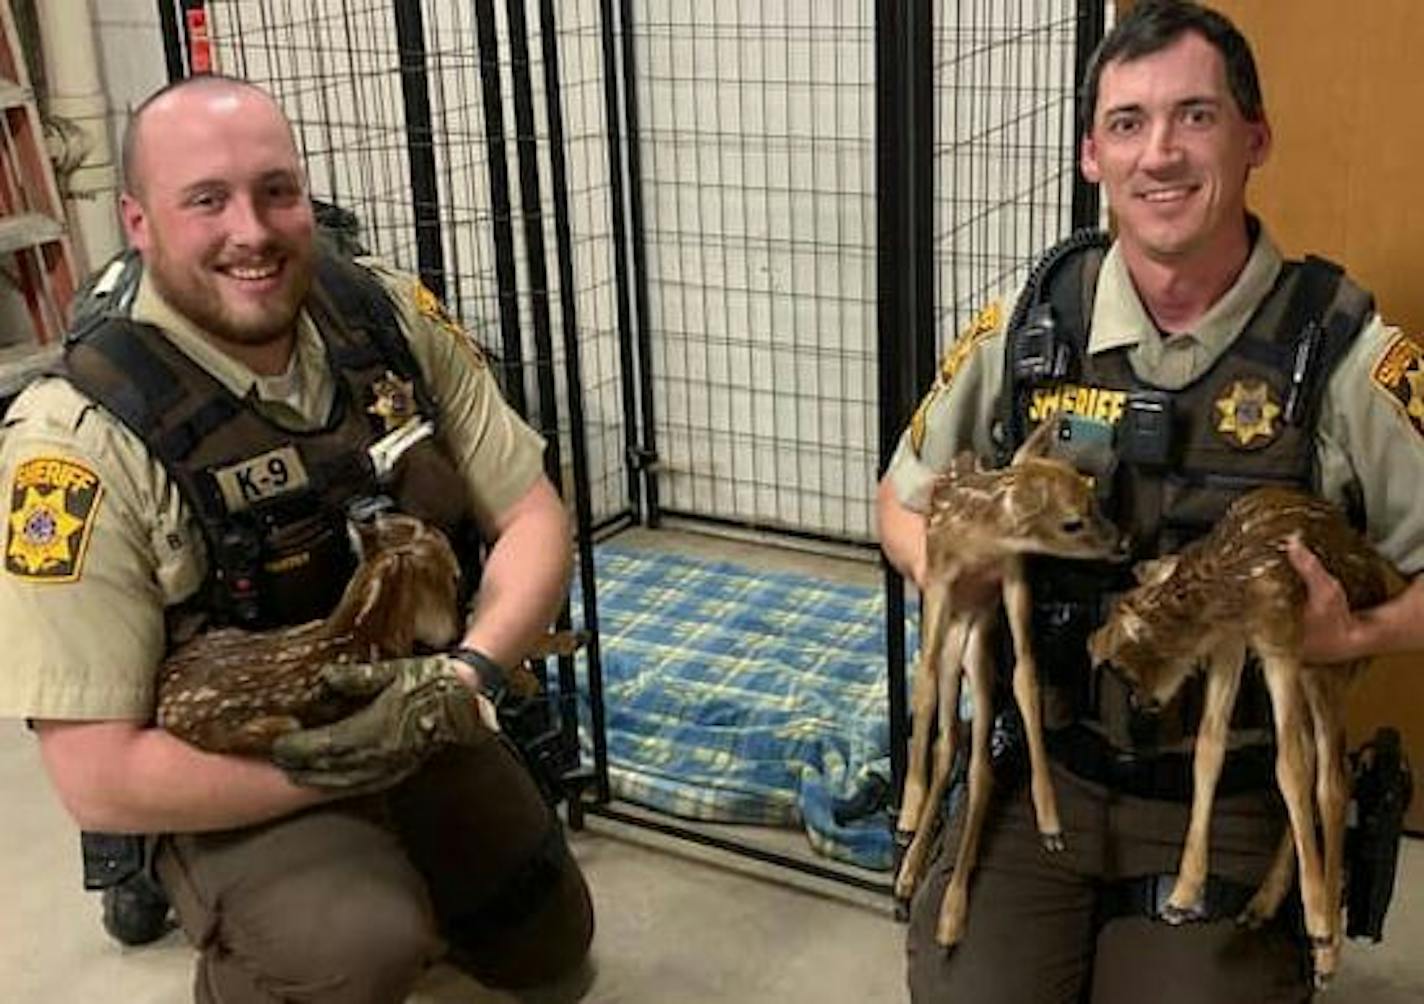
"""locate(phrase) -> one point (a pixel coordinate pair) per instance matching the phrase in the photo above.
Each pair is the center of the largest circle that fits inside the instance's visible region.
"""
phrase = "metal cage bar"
(420, 144)
(915, 89)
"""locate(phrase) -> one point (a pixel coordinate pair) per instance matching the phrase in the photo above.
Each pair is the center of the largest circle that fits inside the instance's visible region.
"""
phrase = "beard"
(215, 303)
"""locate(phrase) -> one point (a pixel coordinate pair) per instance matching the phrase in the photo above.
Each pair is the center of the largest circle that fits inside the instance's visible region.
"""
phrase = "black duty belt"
(1222, 899)
(1161, 776)
(1147, 896)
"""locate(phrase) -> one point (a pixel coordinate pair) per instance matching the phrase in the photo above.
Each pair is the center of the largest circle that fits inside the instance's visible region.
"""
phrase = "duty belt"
(1159, 776)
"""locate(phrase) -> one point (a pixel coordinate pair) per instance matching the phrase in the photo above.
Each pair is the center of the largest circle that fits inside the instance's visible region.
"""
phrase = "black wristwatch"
(493, 681)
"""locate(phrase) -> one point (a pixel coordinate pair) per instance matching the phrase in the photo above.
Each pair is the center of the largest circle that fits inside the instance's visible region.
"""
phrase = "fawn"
(987, 520)
(1229, 591)
(236, 691)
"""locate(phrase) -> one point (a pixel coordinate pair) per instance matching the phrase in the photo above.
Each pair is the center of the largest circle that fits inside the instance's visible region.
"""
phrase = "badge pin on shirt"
(395, 401)
(396, 407)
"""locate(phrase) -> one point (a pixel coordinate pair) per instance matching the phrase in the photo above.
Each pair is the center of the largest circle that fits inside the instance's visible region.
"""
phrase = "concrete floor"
(676, 924)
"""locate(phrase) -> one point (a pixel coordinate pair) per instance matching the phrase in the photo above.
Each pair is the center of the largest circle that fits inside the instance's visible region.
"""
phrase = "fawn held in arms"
(1228, 592)
(980, 519)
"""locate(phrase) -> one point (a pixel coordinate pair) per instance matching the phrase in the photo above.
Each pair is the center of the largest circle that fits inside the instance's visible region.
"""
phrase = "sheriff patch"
(983, 324)
(1247, 414)
(428, 305)
(1400, 374)
(52, 507)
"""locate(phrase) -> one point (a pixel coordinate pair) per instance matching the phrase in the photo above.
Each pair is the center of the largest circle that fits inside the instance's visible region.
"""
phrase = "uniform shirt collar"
(1120, 319)
(301, 389)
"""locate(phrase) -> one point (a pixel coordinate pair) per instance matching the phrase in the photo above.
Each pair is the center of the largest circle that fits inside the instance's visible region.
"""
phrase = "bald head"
(184, 97)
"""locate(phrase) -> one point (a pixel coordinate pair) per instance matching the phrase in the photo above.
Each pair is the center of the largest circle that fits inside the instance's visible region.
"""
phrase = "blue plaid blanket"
(744, 696)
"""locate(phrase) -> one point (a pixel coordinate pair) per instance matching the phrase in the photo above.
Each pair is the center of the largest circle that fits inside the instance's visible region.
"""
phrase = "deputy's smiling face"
(220, 212)
(1173, 151)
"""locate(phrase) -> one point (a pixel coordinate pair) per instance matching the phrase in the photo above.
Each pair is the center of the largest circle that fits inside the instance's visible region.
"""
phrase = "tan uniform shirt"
(99, 542)
(1370, 432)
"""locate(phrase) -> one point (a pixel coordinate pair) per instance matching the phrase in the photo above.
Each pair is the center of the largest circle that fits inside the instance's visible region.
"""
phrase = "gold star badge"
(1248, 415)
(395, 401)
(52, 507)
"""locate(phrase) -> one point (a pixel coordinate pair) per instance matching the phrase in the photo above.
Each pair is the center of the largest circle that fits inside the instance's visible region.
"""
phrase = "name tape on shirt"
(1400, 374)
(1102, 404)
(265, 476)
(53, 502)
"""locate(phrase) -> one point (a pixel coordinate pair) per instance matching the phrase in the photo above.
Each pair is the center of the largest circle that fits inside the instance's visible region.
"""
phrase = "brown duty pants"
(1031, 936)
(350, 902)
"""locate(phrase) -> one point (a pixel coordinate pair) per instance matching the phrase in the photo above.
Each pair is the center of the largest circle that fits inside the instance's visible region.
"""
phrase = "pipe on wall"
(78, 110)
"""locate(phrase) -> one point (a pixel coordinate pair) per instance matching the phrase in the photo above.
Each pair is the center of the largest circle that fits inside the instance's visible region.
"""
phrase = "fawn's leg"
(923, 698)
(1019, 603)
(1274, 886)
(1293, 776)
(979, 664)
(949, 672)
(1223, 678)
(1324, 693)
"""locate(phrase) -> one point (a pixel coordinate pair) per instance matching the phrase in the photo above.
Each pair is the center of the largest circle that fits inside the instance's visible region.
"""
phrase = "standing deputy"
(195, 464)
(1214, 366)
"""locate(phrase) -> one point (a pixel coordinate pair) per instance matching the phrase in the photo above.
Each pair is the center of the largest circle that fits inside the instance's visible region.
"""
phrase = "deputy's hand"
(1331, 630)
(418, 706)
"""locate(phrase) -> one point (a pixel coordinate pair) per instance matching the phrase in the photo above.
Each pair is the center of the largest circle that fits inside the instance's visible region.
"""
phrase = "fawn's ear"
(1026, 499)
(1155, 571)
(1038, 444)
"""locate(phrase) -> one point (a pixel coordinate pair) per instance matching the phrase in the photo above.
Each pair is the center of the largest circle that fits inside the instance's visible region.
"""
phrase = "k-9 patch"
(52, 508)
(1400, 374)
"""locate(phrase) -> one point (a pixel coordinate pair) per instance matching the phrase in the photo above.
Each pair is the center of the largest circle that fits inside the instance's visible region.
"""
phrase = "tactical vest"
(273, 502)
(1181, 458)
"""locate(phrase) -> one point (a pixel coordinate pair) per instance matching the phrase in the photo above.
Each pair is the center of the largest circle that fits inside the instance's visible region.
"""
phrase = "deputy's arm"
(526, 573)
(902, 532)
(954, 416)
(121, 777)
(526, 576)
(1370, 445)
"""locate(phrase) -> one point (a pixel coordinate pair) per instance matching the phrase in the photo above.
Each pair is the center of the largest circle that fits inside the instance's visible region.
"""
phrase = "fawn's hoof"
(1325, 956)
(902, 909)
(903, 839)
(1176, 915)
(1053, 843)
(1254, 917)
(948, 936)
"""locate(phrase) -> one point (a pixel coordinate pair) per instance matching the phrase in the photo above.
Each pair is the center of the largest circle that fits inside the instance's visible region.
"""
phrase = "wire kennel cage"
(716, 246)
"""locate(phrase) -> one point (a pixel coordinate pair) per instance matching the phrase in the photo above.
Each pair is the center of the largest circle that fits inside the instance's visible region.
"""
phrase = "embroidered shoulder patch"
(428, 305)
(1400, 374)
(983, 324)
(52, 507)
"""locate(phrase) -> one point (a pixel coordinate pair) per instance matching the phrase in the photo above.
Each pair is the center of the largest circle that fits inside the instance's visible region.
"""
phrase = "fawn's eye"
(1072, 525)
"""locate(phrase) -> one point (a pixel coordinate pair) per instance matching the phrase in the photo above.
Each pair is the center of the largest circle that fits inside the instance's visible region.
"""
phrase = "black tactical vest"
(1181, 458)
(272, 502)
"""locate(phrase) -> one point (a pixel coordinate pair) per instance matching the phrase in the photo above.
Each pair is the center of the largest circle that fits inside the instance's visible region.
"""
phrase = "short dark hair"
(130, 147)
(1153, 25)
